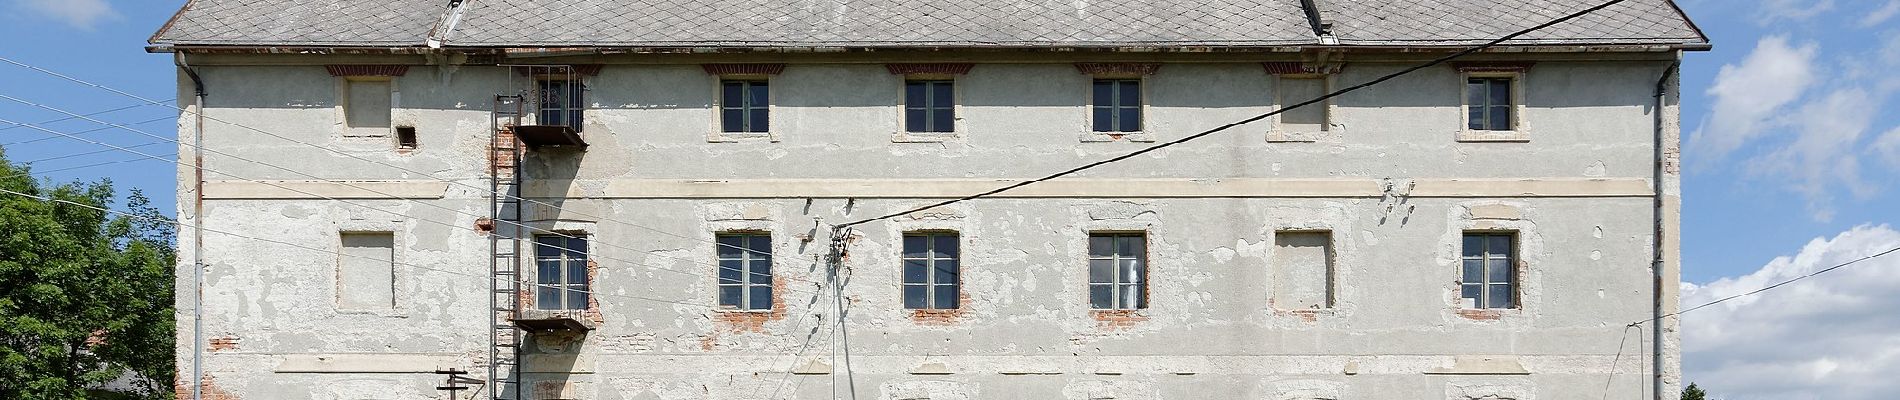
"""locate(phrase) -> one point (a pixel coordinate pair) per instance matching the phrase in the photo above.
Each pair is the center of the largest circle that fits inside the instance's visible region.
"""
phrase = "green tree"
(85, 296)
(1692, 392)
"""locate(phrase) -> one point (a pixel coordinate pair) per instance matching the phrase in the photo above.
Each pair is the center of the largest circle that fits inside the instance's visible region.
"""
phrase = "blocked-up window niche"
(366, 271)
(1303, 275)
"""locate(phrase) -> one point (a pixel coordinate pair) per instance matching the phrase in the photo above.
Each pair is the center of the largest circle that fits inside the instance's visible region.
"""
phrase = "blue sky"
(1792, 149)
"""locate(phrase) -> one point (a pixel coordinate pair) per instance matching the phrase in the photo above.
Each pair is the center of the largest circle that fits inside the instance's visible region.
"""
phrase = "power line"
(1146, 150)
(91, 114)
(1770, 287)
(328, 251)
(354, 156)
(273, 184)
(20, 125)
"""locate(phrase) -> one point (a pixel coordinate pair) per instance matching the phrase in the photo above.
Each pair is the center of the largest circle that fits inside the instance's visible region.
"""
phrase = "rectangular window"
(1117, 105)
(366, 273)
(1302, 270)
(1488, 100)
(745, 271)
(929, 106)
(1118, 271)
(1299, 89)
(744, 106)
(562, 102)
(561, 274)
(367, 103)
(930, 271)
(1490, 276)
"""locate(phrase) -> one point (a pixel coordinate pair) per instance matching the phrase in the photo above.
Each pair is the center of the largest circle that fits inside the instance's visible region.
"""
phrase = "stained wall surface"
(1393, 182)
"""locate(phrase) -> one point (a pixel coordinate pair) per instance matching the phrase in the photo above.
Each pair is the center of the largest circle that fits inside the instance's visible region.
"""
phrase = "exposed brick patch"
(367, 70)
(1296, 67)
(593, 301)
(743, 69)
(224, 343)
(1481, 315)
(1305, 315)
(485, 225)
(1493, 66)
(929, 68)
(942, 317)
(207, 388)
(1118, 68)
(754, 321)
(1117, 319)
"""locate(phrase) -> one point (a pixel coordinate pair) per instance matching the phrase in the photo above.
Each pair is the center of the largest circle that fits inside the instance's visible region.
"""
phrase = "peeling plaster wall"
(1025, 332)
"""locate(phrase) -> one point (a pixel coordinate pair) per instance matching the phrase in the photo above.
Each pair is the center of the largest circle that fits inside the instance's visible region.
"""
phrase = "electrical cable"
(1770, 287)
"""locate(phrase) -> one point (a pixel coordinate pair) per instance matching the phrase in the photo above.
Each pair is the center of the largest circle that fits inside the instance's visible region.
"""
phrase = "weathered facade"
(1326, 253)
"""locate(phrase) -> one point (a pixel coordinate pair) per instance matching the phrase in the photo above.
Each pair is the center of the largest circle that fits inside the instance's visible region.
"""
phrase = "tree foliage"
(1692, 392)
(85, 296)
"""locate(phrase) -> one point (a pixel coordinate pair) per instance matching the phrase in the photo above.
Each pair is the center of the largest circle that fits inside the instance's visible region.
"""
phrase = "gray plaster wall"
(1376, 180)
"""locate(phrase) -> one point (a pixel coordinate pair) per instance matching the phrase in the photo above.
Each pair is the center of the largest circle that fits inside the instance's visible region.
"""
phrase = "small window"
(1299, 89)
(745, 271)
(562, 102)
(1118, 271)
(561, 273)
(1490, 275)
(930, 271)
(367, 103)
(406, 138)
(1117, 105)
(929, 106)
(744, 106)
(366, 273)
(1488, 100)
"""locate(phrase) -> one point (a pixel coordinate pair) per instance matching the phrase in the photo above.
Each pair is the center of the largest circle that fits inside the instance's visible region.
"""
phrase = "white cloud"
(1772, 11)
(1828, 337)
(1888, 147)
(82, 14)
(1881, 15)
(1746, 95)
(1824, 154)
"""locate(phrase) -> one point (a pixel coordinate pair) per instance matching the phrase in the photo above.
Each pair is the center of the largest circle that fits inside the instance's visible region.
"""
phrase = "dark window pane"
(548, 298)
(731, 95)
(1476, 91)
(731, 120)
(1474, 271)
(729, 296)
(1499, 296)
(916, 296)
(941, 95)
(577, 298)
(916, 272)
(548, 271)
(1476, 120)
(914, 94)
(946, 246)
(1126, 294)
(1474, 246)
(1128, 246)
(1130, 94)
(1141, 295)
(761, 96)
(1500, 92)
(914, 246)
(1104, 93)
(760, 271)
(1100, 297)
(1471, 291)
(760, 246)
(761, 298)
(1130, 120)
(729, 272)
(1101, 271)
(1100, 245)
(576, 271)
(1500, 118)
(914, 119)
(547, 246)
(1498, 246)
(760, 120)
(729, 245)
(1498, 271)
(946, 297)
(945, 271)
(577, 247)
(943, 120)
(1104, 120)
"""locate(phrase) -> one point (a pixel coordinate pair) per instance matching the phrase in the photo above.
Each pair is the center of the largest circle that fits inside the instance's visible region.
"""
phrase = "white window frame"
(1485, 262)
(1517, 133)
(1117, 282)
(903, 133)
(565, 282)
(930, 283)
(718, 132)
(746, 258)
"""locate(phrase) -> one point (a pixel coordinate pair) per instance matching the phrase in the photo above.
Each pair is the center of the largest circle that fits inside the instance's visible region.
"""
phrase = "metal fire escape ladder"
(504, 245)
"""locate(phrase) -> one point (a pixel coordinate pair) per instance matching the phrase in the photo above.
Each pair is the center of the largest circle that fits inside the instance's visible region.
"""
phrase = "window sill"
(741, 137)
(1294, 137)
(1517, 136)
(925, 137)
(1104, 137)
(1487, 314)
(722, 309)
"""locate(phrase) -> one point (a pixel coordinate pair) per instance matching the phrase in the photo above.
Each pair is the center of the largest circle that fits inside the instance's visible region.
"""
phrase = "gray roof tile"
(908, 23)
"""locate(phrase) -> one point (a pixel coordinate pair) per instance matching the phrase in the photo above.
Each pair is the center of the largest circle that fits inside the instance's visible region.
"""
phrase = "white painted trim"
(231, 190)
(952, 188)
(389, 363)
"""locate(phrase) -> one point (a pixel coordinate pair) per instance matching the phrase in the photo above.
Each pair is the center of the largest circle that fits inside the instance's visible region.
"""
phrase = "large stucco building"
(1480, 229)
